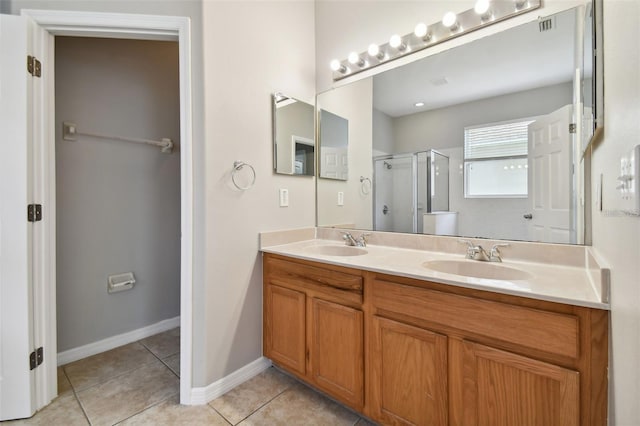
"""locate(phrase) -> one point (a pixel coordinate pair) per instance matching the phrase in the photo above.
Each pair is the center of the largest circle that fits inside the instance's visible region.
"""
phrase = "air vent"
(546, 24)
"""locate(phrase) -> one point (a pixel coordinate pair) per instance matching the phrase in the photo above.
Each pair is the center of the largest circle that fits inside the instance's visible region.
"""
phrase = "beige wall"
(616, 236)
(272, 49)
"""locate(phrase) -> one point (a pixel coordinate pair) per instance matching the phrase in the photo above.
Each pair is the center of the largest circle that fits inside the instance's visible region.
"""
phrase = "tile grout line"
(145, 409)
(116, 376)
(75, 395)
(324, 395)
(161, 360)
(157, 356)
(257, 409)
(159, 402)
(76, 391)
(220, 414)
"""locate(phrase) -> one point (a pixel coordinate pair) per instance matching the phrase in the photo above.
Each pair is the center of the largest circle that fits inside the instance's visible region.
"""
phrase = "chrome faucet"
(495, 255)
(349, 240)
(477, 252)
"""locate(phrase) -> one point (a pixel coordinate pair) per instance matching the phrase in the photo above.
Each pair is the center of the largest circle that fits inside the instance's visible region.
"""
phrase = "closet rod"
(70, 131)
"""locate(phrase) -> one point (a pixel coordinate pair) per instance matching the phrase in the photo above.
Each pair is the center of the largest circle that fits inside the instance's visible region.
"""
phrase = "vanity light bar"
(427, 36)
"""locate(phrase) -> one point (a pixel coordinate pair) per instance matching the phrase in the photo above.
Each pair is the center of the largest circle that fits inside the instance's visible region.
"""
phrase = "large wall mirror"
(484, 140)
(293, 136)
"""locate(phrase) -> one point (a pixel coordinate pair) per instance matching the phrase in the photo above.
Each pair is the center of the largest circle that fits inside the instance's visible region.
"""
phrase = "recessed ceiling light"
(439, 81)
(419, 104)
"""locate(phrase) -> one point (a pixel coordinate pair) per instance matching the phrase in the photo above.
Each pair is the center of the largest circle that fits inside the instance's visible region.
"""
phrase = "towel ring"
(366, 185)
(237, 166)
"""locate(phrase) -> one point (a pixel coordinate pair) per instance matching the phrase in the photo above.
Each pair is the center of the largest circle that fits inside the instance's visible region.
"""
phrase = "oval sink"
(337, 250)
(476, 269)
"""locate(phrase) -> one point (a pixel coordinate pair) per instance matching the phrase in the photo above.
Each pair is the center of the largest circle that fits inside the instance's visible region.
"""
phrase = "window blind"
(497, 140)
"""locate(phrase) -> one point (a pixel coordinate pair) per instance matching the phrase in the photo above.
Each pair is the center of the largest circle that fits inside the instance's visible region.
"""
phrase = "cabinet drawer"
(284, 272)
(551, 332)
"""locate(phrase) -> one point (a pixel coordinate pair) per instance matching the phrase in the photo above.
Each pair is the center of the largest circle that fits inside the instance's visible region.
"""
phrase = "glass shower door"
(395, 193)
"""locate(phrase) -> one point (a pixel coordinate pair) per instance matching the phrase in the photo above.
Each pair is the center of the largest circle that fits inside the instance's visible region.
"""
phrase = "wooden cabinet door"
(337, 358)
(284, 327)
(505, 389)
(408, 374)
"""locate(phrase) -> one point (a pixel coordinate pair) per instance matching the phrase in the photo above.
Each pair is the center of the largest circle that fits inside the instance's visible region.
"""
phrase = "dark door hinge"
(34, 66)
(34, 212)
(572, 128)
(36, 358)
(39, 355)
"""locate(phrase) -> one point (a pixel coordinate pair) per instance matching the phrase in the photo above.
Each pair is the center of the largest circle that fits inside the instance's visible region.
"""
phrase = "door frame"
(50, 23)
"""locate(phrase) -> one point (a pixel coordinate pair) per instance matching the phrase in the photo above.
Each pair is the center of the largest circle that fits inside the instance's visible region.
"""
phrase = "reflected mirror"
(334, 146)
(293, 136)
(484, 140)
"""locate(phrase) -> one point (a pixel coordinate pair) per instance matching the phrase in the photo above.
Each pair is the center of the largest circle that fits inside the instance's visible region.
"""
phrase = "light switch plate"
(284, 197)
(340, 198)
(628, 182)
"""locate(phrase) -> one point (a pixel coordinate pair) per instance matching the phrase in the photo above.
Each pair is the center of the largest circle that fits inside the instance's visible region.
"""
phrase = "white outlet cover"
(284, 197)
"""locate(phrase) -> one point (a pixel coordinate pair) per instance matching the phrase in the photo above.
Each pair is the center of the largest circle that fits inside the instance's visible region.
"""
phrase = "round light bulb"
(337, 66)
(449, 19)
(420, 30)
(482, 7)
(373, 49)
(353, 58)
(395, 41)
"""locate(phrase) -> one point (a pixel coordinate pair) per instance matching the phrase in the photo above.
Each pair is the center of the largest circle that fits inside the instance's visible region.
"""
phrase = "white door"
(550, 177)
(334, 163)
(16, 333)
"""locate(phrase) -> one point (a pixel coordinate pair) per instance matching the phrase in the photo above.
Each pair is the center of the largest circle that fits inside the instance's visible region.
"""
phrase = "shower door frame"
(431, 179)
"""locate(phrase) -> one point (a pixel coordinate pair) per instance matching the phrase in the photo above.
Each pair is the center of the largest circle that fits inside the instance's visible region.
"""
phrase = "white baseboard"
(218, 388)
(115, 341)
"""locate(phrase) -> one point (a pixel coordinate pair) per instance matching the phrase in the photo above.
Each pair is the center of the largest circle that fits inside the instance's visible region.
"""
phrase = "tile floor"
(138, 384)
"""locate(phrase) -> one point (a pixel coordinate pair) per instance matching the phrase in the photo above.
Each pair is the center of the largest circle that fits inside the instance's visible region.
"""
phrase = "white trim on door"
(127, 26)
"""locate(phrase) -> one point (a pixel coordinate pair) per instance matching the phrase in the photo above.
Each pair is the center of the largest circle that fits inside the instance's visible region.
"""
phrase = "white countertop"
(556, 283)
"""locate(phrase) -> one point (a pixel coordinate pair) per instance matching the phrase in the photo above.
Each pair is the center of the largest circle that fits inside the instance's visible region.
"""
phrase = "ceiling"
(514, 60)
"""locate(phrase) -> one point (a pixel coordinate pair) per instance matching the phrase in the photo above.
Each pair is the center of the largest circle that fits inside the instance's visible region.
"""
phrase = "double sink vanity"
(417, 329)
(406, 330)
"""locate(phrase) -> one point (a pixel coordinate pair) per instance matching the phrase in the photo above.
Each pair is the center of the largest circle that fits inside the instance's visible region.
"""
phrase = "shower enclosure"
(406, 186)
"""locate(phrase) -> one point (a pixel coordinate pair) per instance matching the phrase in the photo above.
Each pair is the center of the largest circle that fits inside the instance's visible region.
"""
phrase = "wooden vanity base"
(411, 352)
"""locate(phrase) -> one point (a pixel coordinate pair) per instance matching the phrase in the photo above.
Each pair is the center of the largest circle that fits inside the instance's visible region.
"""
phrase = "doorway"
(117, 197)
(43, 27)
